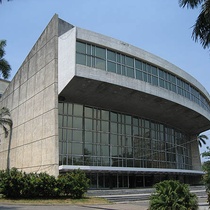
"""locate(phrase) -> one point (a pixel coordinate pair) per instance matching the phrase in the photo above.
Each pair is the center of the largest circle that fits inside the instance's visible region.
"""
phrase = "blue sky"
(160, 27)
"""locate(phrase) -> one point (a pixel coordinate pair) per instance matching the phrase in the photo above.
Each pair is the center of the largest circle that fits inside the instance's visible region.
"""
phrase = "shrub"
(18, 184)
(173, 195)
(11, 183)
(39, 185)
(73, 184)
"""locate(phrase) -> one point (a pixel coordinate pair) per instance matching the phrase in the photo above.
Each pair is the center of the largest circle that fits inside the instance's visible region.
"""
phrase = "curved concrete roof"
(95, 87)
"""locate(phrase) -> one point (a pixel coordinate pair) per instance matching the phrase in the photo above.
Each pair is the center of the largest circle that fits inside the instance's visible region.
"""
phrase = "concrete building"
(84, 100)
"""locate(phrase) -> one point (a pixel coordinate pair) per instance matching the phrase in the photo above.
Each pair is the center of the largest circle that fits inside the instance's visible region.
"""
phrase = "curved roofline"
(112, 43)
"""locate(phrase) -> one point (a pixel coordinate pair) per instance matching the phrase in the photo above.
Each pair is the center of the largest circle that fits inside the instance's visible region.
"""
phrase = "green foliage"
(11, 183)
(18, 184)
(172, 195)
(201, 28)
(206, 169)
(74, 184)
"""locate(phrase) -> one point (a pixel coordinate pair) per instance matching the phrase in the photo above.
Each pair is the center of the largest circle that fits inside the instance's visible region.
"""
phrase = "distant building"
(84, 100)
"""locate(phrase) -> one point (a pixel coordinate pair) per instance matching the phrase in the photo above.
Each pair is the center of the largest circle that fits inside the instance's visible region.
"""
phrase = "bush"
(18, 184)
(173, 195)
(73, 184)
(11, 183)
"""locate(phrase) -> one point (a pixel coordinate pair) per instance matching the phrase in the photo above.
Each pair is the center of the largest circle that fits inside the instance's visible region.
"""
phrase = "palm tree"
(171, 194)
(4, 65)
(202, 139)
(5, 122)
(201, 30)
(1, 1)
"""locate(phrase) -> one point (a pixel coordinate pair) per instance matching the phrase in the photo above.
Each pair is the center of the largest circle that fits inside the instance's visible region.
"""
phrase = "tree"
(4, 65)
(5, 120)
(202, 139)
(6, 124)
(201, 29)
(171, 194)
(1, 1)
(206, 169)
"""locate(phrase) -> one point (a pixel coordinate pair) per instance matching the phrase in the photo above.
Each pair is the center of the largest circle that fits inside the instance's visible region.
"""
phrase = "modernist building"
(84, 100)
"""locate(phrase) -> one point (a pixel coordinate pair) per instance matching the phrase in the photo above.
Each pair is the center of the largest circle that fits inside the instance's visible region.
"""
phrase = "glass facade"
(91, 136)
(109, 60)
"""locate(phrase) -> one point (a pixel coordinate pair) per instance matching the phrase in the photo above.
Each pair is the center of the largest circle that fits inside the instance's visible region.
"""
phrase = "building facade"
(84, 100)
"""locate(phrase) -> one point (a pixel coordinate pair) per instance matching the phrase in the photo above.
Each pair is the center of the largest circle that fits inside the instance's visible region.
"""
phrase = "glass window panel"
(60, 120)
(144, 76)
(64, 148)
(69, 135)
(148, 68)
(60, 134)
(113, 140)
(78, 160)
(135, 121)
(100, 53)
(138, 75)
(129, 61)
(77, 136)
(149, 78)
(88, 137)
(122, 59)
(78, 110)
(104, 150)
(161, 74)
(111, 66)
(88, 124)
(143, 66)
(65, 121)
(60, 108)
(104, 115)
(81, 47)
(113, 127)
(88, 60)
(88, 149)
(118, 69)
(114, 151)
(154, 70)
(104, 126)
(130, 72)
(118, 58)
(88, 49)
(154, 80)
(113, 116)
(111, 55)
(128, 119)
(81, 59)
(100, 64)
(124, 71)
(93, 50)
(138, 64)
(65, 108)
(105, 138)
(77, 122)
(88, 112)
(69, 122)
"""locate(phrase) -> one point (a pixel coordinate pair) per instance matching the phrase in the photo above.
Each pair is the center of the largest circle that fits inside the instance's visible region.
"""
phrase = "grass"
(61, 201)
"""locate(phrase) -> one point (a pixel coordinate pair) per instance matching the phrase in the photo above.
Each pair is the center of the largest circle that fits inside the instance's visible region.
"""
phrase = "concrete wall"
(66, 59)
(32, 98)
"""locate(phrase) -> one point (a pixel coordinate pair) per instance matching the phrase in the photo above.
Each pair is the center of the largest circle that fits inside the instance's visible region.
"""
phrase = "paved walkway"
(122, 206)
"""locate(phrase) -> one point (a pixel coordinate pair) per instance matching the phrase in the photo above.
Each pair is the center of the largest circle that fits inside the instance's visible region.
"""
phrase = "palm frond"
(190, 3)
(201, 31)
(2, 45)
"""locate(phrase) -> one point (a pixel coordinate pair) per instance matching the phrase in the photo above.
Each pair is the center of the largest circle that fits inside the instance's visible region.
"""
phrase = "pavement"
(142, 205)
(122, 203)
